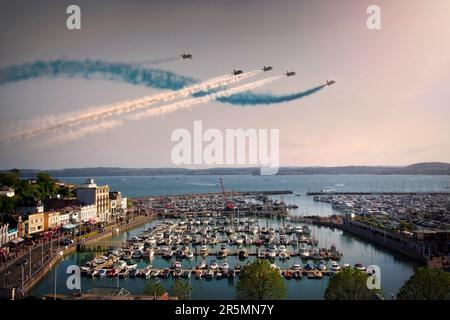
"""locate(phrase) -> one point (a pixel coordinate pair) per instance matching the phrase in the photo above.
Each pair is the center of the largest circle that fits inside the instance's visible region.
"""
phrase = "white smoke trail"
(52, 122)
(75, 134)
(159, 111)
(166, 109)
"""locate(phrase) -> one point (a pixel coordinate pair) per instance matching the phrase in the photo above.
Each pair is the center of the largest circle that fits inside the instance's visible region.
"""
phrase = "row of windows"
(37, 220)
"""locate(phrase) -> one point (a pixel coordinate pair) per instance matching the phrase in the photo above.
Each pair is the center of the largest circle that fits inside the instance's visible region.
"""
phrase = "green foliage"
(7, 204)
(181, 289)
(9, 179)
(46, 185)
(259, 281)
(66, 192)
(350, 284)
(153, 288)
(426, 284)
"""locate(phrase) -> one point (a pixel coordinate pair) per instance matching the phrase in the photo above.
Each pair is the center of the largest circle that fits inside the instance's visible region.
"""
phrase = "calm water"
(395, 270)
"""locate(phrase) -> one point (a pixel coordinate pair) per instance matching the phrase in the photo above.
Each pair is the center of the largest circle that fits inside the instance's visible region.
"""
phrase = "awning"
(18, 240)
(70, 226)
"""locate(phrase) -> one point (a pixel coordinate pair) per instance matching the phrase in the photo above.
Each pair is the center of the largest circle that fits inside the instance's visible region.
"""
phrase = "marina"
(202, 262)
(176, 240)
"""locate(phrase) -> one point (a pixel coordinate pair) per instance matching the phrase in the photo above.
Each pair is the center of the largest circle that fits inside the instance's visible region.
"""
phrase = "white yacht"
(335, 266)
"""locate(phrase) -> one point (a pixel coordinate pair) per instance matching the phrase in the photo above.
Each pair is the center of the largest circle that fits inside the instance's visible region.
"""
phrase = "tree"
(9, 179)
(350, 284)
(65, 192)
(181, 289)
(426, 284)
(46, 184)
(259, 281)
(153, 288)
(7, 204)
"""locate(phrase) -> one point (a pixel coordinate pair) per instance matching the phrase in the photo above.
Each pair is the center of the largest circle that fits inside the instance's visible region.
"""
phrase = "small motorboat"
(223, 252)
(283, 255)
(85, 270)
(287, 275)
(112, 273)
(224, 266)
(204, 250)
(138, 254)
(165, 273)
(198, 274)
(335, 266)
(209, 274)
(243, 254)
(321, 266)
(176, 265)
(308, 267)
(131, 265)
(360, 266)
(304, 253)
(101, 273)
(167, 254)
(146, 273)
(213, 266)
(297, 267)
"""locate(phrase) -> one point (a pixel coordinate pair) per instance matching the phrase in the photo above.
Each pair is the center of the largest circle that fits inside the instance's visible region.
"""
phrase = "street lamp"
(157, 282)
(22, 280)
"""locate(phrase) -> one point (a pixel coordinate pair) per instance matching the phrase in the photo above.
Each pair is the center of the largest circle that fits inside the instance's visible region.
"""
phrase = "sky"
(390, 104)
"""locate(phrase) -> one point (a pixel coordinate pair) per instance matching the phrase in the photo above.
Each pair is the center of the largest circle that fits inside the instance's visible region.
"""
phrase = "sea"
(395, 269)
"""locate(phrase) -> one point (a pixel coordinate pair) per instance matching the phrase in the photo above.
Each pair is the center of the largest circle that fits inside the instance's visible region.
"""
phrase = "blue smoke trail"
(91, 69)
(135, 75)
(250, 98)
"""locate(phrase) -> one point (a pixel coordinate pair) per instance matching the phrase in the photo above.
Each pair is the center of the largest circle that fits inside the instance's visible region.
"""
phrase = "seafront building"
(36, 223)
(34, 218)
(92, 194)
(7, 192)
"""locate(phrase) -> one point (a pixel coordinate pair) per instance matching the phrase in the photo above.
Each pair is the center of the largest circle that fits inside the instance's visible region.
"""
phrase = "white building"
(64, 218)
(4, 234)
(88, 213)
(6, 191)
(92, 194)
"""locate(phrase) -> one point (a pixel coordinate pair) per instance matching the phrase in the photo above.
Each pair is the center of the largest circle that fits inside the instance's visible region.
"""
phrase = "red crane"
(228, 204)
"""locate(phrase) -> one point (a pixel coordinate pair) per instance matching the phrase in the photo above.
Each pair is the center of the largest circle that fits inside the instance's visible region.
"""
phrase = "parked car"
(66, 242)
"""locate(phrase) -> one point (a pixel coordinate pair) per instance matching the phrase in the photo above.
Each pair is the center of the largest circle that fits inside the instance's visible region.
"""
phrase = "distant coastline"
(426, 168)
